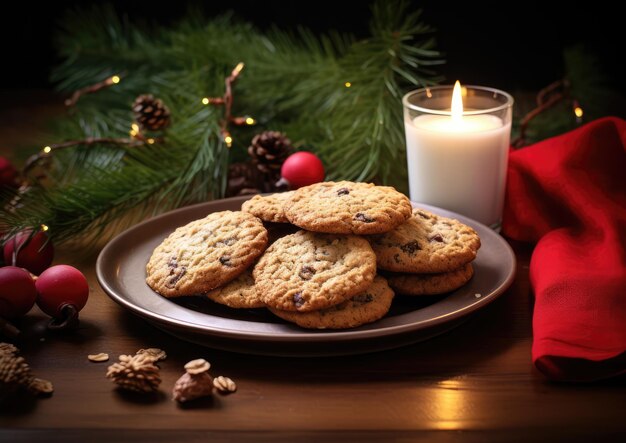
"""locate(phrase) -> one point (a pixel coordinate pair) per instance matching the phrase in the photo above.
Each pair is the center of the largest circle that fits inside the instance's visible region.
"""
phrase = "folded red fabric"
(568, 194)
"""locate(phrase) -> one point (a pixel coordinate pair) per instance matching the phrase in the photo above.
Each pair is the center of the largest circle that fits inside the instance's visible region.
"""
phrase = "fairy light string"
(227, 102)
(553, 94)
(110, 81)
(48, 150)
(136, 137)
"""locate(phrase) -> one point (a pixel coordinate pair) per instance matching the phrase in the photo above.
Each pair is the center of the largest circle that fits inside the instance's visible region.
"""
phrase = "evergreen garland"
(585, 88)
(295, 83)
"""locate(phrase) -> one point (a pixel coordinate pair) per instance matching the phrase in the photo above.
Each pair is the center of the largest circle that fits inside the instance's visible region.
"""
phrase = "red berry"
(17, 292)
(59, 286)
(34, 254)
(302, 169)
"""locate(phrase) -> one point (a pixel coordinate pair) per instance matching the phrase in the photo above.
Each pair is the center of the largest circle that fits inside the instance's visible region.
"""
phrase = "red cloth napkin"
(568, 194)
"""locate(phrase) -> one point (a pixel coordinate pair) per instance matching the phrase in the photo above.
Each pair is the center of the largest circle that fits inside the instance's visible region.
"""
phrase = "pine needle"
(333, 95)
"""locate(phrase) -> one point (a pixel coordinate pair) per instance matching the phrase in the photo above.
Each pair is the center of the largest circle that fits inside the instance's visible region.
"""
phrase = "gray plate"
(121, 272)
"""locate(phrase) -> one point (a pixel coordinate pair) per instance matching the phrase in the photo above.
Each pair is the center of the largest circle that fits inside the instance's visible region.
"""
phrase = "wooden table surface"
(474, 383)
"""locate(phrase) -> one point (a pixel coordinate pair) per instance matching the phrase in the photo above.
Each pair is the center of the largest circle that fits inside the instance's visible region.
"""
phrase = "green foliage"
(589, 86)
(293, 82)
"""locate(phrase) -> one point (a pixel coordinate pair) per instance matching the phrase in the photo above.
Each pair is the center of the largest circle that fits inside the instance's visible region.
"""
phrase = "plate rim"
(312, 335)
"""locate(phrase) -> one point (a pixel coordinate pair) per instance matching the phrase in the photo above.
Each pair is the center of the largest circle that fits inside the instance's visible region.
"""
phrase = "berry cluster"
(60, 291)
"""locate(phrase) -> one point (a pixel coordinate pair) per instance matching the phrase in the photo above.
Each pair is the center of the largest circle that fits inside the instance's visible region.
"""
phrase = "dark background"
(510, 45)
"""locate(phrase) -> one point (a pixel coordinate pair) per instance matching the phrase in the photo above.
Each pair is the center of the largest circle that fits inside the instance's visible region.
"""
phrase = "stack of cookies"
(327, 242)
(427, 255)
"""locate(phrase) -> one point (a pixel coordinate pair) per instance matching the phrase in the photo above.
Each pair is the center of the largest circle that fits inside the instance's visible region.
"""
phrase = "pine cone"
(269, 150)
(40, 386)
(135, 373)
(151, 113)
(8, 348)
(243, 179)
(14, 372)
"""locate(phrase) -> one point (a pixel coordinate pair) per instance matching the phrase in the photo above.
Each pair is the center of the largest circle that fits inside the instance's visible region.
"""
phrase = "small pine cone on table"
(151, 113)
(8, 348)
(15, 373)
(136, 373)
(268, 150)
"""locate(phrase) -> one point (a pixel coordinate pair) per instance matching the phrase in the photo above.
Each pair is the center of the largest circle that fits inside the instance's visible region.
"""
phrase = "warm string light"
(215, 101)
(113, 80)
(347, 84)
(547, 98)
(135, 134)
(134, 130)
(228, 140)
(44, 228)
(227, 101)
(241, 121)
(47, 150)
(578, 112)
(136, 139)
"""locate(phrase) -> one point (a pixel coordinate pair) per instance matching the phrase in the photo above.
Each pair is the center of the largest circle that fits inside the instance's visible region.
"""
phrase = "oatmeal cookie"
(347, 208)
(306, 271)
(206, 253)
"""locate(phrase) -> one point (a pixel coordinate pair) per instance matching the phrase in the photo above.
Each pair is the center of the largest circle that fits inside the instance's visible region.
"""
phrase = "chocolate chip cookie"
(268, 208)
(366, 307)
(206, 253)
(430, 284)
(306, 271)
(347, 208)
(426, 243)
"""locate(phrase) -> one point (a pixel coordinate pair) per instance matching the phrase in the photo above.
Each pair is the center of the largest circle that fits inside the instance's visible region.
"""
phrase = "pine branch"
(294, 81)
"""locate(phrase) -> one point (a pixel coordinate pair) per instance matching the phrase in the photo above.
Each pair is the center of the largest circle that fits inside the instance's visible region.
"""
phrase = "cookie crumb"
(156, 353)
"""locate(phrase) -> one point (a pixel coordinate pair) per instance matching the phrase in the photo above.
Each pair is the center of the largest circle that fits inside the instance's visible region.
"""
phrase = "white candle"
(458, 162)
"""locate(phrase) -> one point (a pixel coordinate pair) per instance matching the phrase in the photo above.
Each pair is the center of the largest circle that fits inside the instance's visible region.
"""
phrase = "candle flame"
(457, 102)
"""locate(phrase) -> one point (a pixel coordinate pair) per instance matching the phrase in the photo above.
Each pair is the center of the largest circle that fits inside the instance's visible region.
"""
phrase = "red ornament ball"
(17, 292)
(302, 169)
(8, 173)
(59, 286)
(34, 254)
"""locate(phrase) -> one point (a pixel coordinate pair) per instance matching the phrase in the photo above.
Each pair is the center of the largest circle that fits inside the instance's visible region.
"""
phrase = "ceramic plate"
(121, 273)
